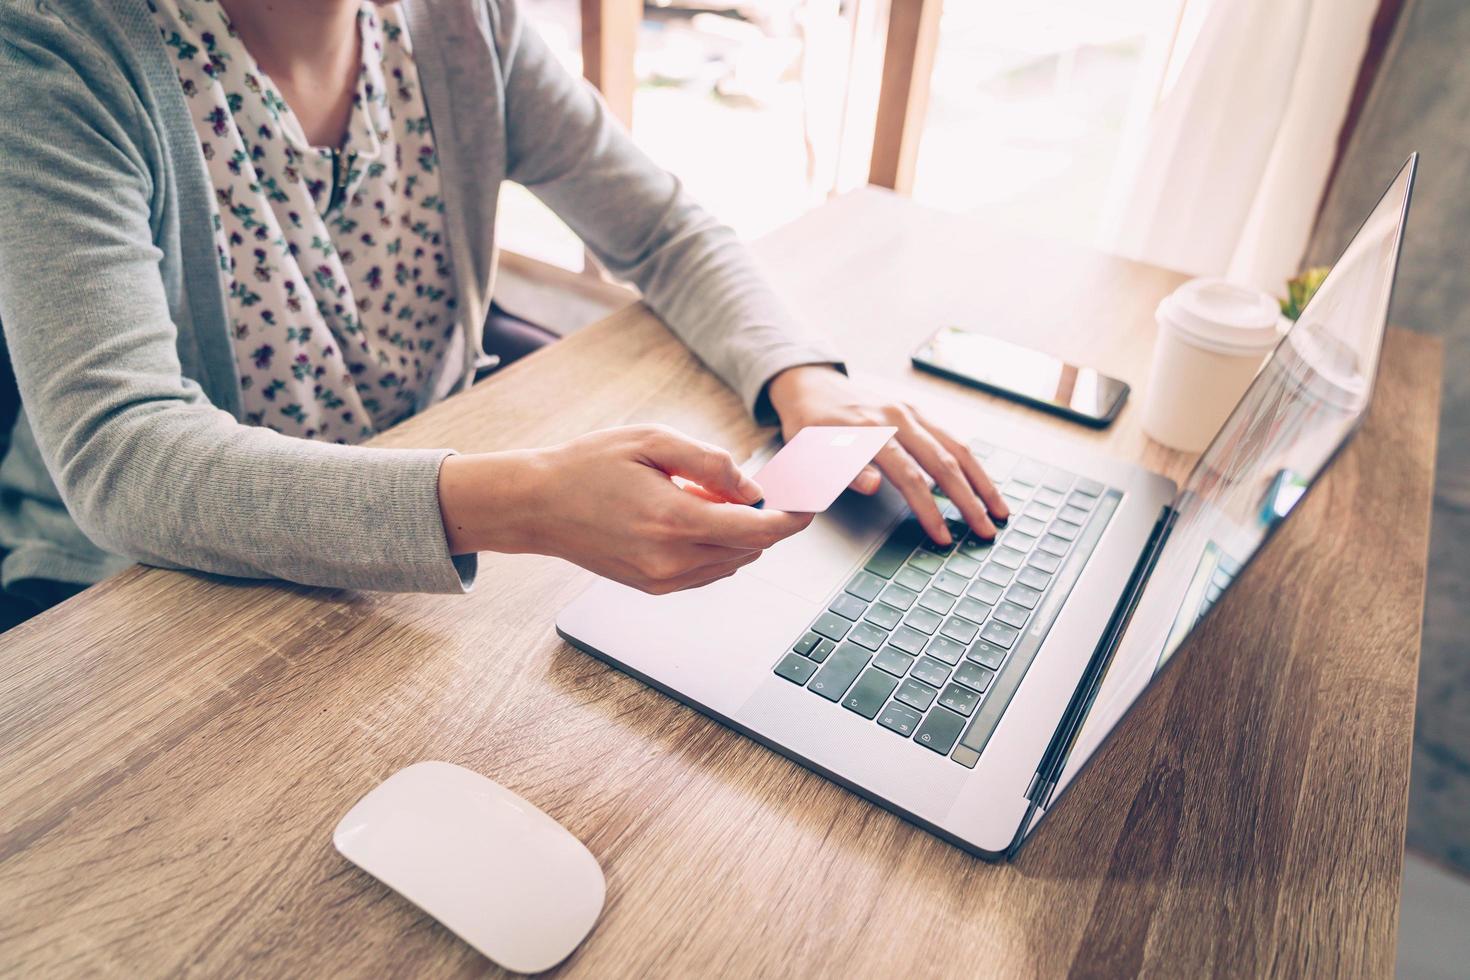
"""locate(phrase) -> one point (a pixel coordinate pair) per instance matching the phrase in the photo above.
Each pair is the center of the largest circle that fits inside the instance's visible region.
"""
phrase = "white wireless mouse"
(495, 870)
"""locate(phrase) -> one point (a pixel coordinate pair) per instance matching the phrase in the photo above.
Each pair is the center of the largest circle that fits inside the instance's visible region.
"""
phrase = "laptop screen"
(1301, 408)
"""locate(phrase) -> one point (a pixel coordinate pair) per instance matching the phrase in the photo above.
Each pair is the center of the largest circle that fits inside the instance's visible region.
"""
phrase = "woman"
(238, 236)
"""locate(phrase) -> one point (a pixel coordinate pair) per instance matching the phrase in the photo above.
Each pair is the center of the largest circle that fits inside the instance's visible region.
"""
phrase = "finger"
(700, 555)
(736, 527)
(709, 466)
(974, 472)
(703, 494)
(661, 561)
(942, 465)
(867, 481)
(702, 576)
(906, 476)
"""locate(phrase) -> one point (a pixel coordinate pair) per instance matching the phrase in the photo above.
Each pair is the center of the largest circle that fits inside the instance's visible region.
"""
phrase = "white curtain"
(1224, 173)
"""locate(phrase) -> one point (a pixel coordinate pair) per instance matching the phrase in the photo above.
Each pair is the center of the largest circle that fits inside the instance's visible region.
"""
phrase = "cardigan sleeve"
(566, 147)
(147, 466)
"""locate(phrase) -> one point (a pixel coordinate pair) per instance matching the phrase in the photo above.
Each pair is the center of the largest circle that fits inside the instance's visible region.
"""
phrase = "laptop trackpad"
(815, 562)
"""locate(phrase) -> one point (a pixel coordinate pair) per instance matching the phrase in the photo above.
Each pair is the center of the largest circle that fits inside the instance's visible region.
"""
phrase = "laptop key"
(1053, 545)
(961, 630)
(1047, 563)
(883, 615)
(867, 635)
(1020, 540)
(1016, 488)
(889, 557)
(960, 699)
(926, 562)
(805, 645)
(1049, 497)
(1080, 500)
(893, 660)
(936, 601)
(943, 648)
(899, 718)
(899, 597)
(996, 574)
(930, 671)
(939, 730)
(1074, 515)
(1008, 558)
(950, 582)
(908, 639)
(840, 670)
(796, 668)
(822, 650)
(986, 654)
(916, 695)
(1032, 577)
(1011, 614)
(1090, 487)
(1058, 480)
(973, 676)
(1065, 530)
(1022, 594)
(869, 693)
(923, 620)
(963, 565)
(972, 609)
(866, 586)
(848, 606)
(1027, 524)
(976, 547)
(832, 626)
(1000, 634)
(911, 578)
(985, 591)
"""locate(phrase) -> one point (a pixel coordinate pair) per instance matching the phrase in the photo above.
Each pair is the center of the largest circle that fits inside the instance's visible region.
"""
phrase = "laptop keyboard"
(932, 641)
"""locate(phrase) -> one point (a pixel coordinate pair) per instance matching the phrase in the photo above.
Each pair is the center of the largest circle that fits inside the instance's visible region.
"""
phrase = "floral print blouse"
(335, 260)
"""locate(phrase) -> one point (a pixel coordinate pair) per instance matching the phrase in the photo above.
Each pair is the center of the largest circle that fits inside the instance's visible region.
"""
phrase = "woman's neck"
(310, 50)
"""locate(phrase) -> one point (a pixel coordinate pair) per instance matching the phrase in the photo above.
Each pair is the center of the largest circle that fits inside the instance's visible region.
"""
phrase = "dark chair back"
(9, 399)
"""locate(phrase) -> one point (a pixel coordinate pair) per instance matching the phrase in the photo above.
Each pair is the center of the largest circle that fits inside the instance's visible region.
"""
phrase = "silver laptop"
(963, 687)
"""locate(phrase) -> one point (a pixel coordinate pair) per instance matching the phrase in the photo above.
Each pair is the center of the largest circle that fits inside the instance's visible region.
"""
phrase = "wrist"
(488, 501)
(786, 389)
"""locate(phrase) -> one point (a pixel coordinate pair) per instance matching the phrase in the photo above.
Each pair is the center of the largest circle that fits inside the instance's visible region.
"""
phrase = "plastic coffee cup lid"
(1222, 316)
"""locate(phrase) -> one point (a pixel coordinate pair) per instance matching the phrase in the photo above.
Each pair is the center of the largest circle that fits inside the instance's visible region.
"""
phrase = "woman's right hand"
(607, 501)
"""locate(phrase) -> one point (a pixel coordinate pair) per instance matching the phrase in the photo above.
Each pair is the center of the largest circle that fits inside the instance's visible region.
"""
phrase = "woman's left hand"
(821, 395)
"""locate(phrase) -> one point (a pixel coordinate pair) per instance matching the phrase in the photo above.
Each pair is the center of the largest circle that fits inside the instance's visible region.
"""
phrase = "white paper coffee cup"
(1213, 336)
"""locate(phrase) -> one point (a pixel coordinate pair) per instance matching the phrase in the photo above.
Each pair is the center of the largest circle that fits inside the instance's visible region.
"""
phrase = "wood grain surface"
(175, 749)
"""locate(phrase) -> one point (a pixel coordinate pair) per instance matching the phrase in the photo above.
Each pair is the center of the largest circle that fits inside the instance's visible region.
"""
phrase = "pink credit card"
(812, 470)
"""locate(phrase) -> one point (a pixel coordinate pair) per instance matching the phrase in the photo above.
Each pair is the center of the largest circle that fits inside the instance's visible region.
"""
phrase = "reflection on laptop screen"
(1305, 403)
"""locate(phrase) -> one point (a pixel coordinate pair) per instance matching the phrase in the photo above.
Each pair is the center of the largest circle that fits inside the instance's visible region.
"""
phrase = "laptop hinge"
(1054, 759)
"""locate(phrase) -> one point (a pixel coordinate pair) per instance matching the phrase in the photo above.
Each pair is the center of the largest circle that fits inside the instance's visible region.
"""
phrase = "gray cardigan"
(129, 446)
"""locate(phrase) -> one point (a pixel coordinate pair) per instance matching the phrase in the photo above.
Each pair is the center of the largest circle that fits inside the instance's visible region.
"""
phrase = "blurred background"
(1242, 138)
(766, 107)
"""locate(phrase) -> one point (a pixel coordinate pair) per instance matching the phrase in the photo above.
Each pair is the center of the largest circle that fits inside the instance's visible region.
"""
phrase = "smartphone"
(1024, 375)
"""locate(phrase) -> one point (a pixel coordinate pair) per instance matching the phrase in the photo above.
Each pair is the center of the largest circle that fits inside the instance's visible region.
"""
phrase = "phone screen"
(1024, 374)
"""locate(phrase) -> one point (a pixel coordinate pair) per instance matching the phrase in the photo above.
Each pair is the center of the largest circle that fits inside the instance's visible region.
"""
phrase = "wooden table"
(175, 749)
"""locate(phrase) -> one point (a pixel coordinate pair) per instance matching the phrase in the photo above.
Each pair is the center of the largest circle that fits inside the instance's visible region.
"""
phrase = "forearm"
(187, 487)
